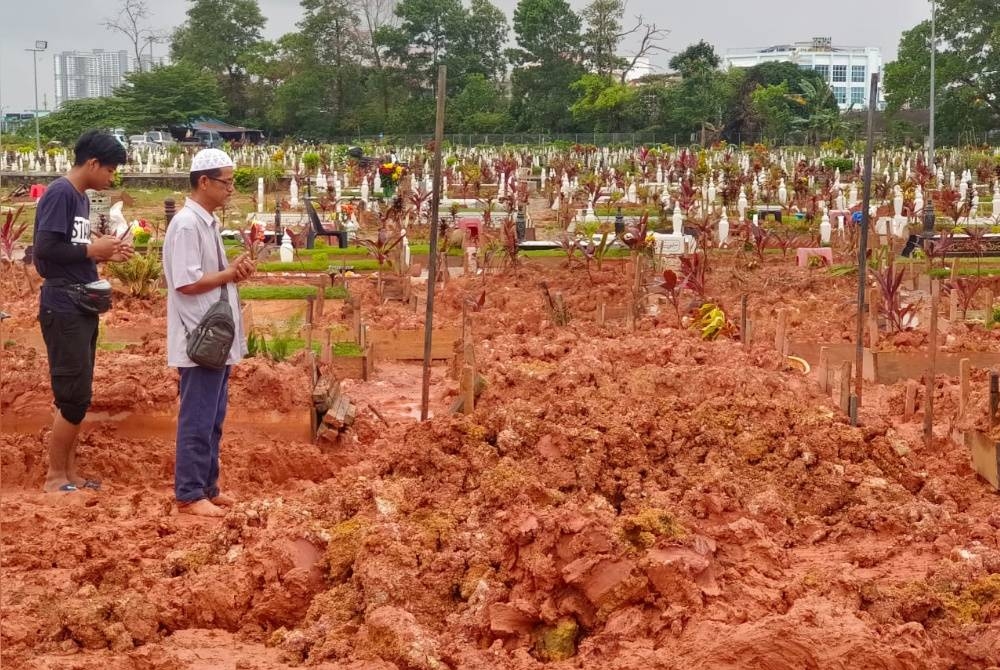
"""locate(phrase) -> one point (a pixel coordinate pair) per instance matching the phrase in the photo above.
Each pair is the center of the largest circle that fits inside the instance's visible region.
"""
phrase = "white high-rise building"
(89, 74)
(846, 69)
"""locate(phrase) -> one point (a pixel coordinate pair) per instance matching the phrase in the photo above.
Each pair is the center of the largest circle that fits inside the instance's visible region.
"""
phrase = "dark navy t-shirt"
(64, 210)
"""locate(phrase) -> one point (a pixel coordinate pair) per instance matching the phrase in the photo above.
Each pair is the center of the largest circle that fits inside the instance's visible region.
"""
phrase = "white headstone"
(723, 228)
(824, 228)
(287, 251)
(677, 221)
(293, 189)
(260, 194)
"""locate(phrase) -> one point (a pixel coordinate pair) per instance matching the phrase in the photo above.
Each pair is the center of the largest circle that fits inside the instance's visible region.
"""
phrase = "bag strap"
(224, 293)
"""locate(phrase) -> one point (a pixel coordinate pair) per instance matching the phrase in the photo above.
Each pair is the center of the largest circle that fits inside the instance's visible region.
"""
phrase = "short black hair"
(100, 145)
(211, 173)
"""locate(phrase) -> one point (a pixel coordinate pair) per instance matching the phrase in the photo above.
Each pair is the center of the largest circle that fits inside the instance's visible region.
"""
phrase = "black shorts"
(71, 343)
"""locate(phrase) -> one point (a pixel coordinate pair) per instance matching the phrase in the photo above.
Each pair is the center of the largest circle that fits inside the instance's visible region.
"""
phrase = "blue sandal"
(68, 487)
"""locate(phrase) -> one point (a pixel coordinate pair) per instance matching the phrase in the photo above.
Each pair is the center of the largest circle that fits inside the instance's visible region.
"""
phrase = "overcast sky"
(70, 25)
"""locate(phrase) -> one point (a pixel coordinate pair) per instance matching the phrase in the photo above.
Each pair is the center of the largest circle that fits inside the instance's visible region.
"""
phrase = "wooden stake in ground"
(963, 385)
(873, 304)
(910, 400)
(3, 345)
(780, 332)
(845, 386)
(931, 366)
(321, 294)
(988, 313)
(425, 390)
(310, 306)
(468, 389)
(823, 371)
(866, 201)
(743, 321)
(326, 354)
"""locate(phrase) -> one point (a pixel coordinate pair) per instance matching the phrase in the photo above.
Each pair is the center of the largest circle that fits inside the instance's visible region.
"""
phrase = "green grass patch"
(112, 346)
(945, 273)
(559, 253)
(289, 292)
(359, 264)
(347, 349)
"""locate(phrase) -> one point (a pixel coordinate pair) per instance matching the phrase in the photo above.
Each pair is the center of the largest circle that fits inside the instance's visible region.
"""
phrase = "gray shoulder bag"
(208, 345)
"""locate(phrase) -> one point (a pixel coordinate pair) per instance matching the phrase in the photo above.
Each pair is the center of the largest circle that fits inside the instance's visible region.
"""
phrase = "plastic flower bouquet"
(390, 174)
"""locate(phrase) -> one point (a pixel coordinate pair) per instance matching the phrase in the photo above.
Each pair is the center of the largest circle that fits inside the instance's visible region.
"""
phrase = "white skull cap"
(209, 159)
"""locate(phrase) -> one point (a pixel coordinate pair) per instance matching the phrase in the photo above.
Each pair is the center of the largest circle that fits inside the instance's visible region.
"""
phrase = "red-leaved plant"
(897, 316)
(10, 233)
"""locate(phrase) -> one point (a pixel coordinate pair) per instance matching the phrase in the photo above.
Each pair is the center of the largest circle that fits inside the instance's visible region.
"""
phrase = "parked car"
(119, 134)
(138, 141)
(159, 137)
(209, 138)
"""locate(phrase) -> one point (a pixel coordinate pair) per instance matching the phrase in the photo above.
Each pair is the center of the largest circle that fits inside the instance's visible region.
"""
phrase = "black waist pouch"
(91, 298)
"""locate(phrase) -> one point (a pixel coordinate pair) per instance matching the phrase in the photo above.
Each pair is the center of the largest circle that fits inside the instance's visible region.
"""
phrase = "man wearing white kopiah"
(198, 276)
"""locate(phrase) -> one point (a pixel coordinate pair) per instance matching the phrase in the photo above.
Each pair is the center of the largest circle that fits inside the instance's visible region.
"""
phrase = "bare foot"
(222, 500)
(201, 507)
(59, 487)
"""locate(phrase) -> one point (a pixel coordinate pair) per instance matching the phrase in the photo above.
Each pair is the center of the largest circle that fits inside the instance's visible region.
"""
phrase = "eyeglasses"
(228, 183)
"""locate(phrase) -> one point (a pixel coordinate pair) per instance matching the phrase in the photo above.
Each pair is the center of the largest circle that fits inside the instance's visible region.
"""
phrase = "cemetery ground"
(624, 493)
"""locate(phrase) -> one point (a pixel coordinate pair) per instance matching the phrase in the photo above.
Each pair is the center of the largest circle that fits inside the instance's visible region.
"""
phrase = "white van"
(159, 137)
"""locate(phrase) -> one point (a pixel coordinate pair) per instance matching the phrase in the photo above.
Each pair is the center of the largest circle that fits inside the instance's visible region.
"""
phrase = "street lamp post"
(929, 207)
(40, 45)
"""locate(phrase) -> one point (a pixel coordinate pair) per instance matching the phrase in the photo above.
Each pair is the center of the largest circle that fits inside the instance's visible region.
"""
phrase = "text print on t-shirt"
(81, 230)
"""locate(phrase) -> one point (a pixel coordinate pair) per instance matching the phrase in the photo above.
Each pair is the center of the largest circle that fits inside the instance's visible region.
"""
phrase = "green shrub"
(245, 178)
(310, 161)
(845, 164)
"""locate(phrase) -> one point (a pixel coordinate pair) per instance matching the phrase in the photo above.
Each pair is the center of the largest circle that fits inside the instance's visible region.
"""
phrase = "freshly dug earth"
(617, 500)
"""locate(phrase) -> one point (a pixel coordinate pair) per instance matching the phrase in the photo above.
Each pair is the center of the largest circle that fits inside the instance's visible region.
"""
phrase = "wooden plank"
(326, 353)
(910, 400)
(893, 366)
(408, 345)
(468, 389)
(780, 343)
(823, 369)
(963, 385)
(930, 377)
(347, 367)
(845, 385)
(985, 453)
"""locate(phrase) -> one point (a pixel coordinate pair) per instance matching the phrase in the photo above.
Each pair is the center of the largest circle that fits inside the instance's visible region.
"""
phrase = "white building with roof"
(846, 69)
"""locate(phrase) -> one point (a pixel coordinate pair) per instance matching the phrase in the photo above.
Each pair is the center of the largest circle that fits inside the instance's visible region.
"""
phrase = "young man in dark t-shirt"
(67, 257)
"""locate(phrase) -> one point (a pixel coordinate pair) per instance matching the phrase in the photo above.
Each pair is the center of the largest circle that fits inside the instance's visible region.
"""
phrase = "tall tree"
(603, 35)
(807, 94)
(332, 29)
(422, 40)
(695, 59)
(702, 97)
(604, 103)
(478, 47)
(132, 22)
(170, 95)
(960, 102)
(74, 117)
(376, 15)
(547, 61)
(221, 36)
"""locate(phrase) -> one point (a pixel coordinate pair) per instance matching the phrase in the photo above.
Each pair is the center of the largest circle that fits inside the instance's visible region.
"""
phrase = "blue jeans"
(204, 395)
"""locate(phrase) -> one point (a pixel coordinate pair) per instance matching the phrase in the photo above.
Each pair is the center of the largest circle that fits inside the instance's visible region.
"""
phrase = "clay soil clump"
(620, 498)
